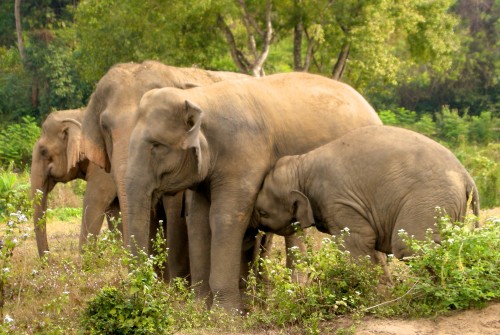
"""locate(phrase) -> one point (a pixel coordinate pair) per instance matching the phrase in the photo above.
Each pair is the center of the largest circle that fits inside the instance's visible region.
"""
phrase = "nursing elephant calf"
(375, 181)
(220, 141)
(56, 159)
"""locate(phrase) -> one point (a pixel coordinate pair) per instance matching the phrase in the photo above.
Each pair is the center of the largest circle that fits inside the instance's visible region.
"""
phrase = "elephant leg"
(199, 244)
(295, 242)
(113, 215)
(177, 237)
(158, 219)
(99, 195)
(229, 219)
(361, 240)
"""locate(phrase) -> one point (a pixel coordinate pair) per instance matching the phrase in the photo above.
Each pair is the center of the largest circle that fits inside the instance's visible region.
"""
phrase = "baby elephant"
(374, 181)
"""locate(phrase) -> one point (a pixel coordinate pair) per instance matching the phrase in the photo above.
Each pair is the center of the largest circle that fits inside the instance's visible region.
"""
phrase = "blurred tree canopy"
(415, 54)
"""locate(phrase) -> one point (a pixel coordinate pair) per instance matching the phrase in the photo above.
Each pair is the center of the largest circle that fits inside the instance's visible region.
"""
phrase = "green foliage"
(336, 284)
(483, 164)
(451, 127)
(14, 194)
(17, 141)
(15, 84)
(462, 272)
(176, 33)
(64, 213)
(14, 206)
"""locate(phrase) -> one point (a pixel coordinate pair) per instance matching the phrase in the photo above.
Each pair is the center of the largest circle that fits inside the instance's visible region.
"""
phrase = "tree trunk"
(298, 30)
(17, 14)
(338, 69)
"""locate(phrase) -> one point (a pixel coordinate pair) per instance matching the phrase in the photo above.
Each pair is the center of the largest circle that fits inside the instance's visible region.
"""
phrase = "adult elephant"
(110, 117)
(221, 140)
(56, 159)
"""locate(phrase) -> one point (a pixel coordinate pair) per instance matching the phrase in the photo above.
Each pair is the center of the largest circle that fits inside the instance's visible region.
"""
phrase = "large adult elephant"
(110, 117)
(56, 159)
(221, 140)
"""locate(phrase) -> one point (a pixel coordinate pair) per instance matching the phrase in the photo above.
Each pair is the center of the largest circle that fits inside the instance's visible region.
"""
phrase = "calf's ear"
(192, 120)
(302, 208)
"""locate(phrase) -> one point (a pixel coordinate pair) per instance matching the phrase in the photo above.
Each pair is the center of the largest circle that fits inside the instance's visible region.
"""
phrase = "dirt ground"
(471, 322)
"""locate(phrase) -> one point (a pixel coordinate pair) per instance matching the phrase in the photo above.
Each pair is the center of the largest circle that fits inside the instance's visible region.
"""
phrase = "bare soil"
(470, 322)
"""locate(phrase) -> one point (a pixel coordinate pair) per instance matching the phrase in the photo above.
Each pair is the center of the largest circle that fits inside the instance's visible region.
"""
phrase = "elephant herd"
(193, 148)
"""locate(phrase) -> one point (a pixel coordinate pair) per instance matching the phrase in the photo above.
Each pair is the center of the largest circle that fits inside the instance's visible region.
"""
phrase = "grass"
(69, 293)
(51, 296)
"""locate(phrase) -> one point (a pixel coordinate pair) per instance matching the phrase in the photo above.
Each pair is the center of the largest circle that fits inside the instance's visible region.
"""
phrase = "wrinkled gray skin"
(56, 159)
(373, 181)
(109, 120)
(220, 140)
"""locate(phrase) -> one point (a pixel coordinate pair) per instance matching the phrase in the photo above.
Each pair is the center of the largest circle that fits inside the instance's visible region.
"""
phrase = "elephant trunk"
(40, 180)
(139, 217)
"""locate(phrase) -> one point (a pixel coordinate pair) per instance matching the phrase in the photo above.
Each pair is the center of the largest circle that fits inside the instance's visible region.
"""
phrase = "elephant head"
(112, 112)
(279, 203)
(55, 158)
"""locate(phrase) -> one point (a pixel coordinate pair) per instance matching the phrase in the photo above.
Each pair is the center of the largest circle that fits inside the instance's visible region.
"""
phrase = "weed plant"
(460, 273)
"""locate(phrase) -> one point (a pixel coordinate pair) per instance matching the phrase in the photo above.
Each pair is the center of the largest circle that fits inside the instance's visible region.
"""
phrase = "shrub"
(451, 127)
(336, 285)
(483, 165)
(460, 273)
(17, 141)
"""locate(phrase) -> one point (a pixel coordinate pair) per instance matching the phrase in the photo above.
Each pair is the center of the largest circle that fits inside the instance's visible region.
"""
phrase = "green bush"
(462, 272)
(451, 128)
(17, 141)
(483, 163)
(336, 285)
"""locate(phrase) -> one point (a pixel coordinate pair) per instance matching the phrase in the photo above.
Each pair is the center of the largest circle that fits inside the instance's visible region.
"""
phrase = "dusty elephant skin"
(56, 159)
(109, 120)
(375, 181)
(220, 140)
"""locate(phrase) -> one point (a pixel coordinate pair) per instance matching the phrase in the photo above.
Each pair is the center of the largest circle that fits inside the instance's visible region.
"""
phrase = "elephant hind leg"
(361, 240)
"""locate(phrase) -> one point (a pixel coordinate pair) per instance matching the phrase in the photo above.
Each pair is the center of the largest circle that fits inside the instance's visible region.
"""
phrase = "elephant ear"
(192, 120)
(93, 145)
(72, 132)
(302, 208)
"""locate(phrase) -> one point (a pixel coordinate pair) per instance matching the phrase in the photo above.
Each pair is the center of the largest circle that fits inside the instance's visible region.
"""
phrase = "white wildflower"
(8, 319)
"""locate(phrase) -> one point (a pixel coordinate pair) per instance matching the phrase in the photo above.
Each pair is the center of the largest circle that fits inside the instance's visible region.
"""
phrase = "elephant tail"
(473, 198)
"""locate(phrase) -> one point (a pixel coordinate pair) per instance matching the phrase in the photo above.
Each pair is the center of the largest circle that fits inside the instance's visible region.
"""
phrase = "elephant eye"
(44, 152)
(263, 214)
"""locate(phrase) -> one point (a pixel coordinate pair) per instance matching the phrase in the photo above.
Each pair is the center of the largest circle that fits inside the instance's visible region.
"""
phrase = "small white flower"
(8, 319)
(14, 240)
(294, 248)
(10, 223)
(289, 292)
(357, 292)
(6, 270)
(346, 229)
(34, 272)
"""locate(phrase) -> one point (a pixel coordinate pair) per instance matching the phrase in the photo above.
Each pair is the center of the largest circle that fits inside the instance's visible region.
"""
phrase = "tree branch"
(267, 38)
(339, 67)
(238, 57)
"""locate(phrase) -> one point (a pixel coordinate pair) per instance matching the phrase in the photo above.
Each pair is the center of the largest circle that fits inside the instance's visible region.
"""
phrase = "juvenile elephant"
(56, 159)
(220, 140)
(374, 181)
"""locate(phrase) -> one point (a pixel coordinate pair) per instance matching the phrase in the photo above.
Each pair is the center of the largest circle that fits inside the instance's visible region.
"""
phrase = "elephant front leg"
(228, 222)
(199, 234)
(97, 200)
(177, 237)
